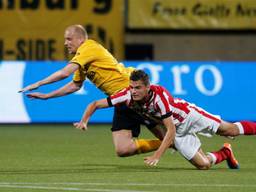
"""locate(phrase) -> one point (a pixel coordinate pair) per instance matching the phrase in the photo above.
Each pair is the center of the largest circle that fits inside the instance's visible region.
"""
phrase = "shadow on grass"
(93, 168)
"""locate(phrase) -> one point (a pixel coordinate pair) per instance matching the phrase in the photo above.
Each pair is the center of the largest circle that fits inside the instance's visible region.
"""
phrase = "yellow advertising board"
(34, 29)
(192, 14)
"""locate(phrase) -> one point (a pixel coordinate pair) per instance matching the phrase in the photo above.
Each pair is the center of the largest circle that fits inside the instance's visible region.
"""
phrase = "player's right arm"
(69, 88)
(113, 100)
(91, 108)
(166, 143)
(57, 76)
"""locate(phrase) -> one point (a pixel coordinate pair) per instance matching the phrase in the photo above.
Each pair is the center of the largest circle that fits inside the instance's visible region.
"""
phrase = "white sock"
(213, 158)
(240, 127)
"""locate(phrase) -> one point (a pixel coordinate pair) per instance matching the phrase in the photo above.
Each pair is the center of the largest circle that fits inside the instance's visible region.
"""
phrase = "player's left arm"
(69, 88)
(57, 76)
(103, 103)
(166, 143)
(91, 108)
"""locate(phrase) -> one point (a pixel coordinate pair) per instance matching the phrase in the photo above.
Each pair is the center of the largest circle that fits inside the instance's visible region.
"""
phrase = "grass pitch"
(61, 158)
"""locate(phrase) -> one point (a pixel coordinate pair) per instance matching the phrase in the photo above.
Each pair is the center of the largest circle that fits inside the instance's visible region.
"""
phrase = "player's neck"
(147, 97)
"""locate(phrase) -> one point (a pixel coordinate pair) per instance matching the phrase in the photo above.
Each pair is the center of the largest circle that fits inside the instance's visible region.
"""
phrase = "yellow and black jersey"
(100, 67)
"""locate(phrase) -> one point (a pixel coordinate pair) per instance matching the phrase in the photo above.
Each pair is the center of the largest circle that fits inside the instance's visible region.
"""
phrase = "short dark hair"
(138, 74)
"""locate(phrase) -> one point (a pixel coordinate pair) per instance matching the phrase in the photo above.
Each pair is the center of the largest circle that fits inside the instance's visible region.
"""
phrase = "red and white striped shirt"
(158, 106)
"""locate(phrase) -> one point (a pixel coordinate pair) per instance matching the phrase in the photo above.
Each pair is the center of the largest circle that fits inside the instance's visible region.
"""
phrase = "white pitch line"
(38, 187)
(64, 188)
(132, 184)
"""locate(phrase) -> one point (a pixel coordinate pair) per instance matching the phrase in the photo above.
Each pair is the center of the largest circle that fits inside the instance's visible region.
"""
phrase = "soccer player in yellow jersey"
(94, 62)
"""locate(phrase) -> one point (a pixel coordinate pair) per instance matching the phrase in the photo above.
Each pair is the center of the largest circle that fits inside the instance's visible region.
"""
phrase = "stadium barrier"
(223, 88)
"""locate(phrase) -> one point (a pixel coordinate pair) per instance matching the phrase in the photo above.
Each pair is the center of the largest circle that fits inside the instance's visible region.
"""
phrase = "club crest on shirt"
(149, 114)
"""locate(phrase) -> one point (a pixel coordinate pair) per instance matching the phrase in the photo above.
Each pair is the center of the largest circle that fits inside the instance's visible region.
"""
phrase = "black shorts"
(125, 118)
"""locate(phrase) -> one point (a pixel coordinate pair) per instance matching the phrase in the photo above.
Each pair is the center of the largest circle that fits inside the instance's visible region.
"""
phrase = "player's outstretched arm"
(69, 88)
(57, 76)
(30, 87)
(91, 108)
(166, 143)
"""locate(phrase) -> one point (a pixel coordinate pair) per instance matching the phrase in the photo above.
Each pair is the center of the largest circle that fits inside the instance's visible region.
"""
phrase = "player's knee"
(125, 148)
(122, 152)
(203, 165)
(232, 131)
(228, 129)
(206, 167)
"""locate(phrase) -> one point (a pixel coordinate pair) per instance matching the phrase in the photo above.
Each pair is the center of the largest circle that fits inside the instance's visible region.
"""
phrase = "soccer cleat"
(231, 160)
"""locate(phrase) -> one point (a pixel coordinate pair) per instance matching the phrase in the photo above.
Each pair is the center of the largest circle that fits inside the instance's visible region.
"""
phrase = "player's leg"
(148, 145)
(225, 153)
(124, 143)
(207, 126)
(189, 147)
(126, 126)
(238, 128)
(123, 131)
(200, 160)
(213, 124)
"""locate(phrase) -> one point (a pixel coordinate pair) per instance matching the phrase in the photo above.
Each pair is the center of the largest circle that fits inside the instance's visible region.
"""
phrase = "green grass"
(60, 158)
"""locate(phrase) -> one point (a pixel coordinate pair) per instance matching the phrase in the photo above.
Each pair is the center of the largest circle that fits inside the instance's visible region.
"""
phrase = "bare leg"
(225, 153)
(124, 143)
(228, 129)
(238, 128)
(201, 161)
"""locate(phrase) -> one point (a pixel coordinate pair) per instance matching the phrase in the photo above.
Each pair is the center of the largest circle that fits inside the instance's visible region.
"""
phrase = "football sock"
(246, 127)
(146, 145)
(219, 156)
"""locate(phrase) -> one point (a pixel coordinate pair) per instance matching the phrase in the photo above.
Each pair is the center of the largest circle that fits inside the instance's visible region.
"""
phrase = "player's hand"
(30, 87)
(37, 95)
(81, 125)
(151, 160)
